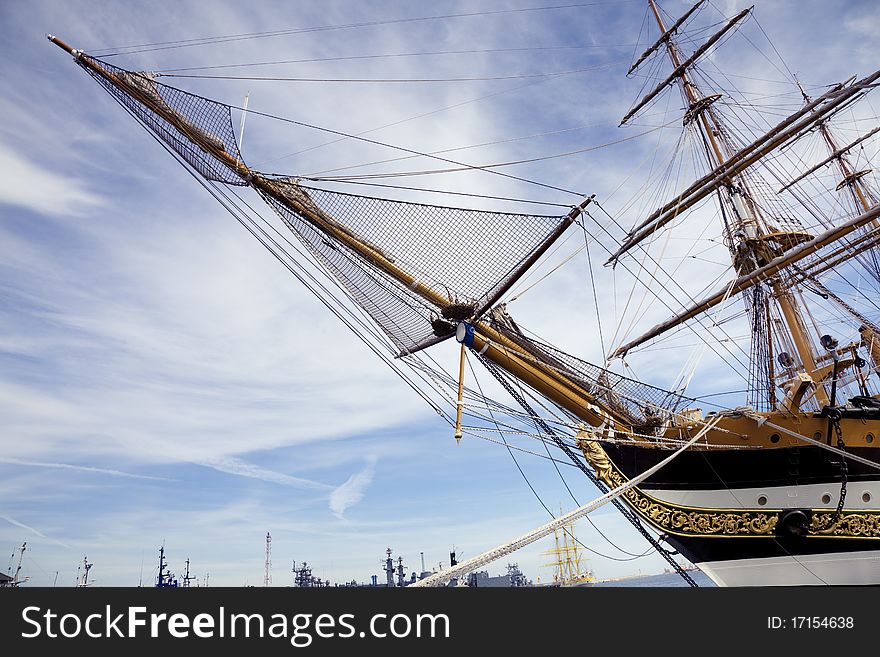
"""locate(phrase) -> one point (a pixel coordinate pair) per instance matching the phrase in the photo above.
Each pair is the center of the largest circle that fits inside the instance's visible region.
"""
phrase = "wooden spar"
(533, 258)
(555, 385)
(761, 274)
(61, 44)
(689, 89)
(835, 155)
(839, 256)
(664, 37)
(681, 68)
(744, 158)
(194, 134)
(559, 389)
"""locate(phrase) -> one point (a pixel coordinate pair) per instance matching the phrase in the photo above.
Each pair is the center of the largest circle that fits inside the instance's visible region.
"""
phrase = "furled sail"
(198, 129)
(416, 269)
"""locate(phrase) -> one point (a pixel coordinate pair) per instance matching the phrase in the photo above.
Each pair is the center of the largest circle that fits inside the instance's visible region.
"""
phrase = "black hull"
(780, 540)
(736, 468)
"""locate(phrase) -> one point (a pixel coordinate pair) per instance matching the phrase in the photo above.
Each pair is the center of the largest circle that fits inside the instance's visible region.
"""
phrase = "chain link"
(835, 421)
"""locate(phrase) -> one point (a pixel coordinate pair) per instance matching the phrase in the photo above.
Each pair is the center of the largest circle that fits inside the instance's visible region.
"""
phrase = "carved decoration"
(694, 521)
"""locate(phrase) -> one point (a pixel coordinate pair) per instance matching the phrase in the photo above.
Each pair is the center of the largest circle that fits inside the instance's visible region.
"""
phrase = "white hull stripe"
(839, 568)
(859, 495)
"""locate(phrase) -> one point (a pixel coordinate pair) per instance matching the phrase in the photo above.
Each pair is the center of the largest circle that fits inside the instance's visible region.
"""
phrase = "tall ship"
(777, 485)
(569, 565)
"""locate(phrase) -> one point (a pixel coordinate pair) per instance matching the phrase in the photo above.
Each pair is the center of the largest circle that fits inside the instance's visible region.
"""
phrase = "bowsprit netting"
(201, 124)
(645, 406)
(464, 256)
(642, 405)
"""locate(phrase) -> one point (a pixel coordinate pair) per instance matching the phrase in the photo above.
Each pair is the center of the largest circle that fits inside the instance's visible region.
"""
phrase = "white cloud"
(28, 185)
(862, 20)
(353, 490)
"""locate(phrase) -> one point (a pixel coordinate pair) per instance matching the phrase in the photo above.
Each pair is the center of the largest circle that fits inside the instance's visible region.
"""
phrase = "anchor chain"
(834, 417)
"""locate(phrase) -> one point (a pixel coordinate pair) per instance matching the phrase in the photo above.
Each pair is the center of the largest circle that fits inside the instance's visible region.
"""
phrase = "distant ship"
(166, 579)
(513, 578)
(570, 569)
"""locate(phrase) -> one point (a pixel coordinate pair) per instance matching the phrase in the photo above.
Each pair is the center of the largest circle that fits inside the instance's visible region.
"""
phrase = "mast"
(401, 575)
(864, 198)
(187, 578)
(851, 178)
(663, 38)
(166, 577)
(836, 154)
(83, 580)
(749, 248)
(689, 89)
(15, 580)
(389, 569)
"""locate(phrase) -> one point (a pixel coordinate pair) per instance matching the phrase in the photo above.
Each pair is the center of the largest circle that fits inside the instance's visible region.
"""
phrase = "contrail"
(13, 521)
(82, 468)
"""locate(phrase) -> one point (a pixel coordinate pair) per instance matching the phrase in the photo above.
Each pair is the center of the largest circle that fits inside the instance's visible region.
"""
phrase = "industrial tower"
(267, 578)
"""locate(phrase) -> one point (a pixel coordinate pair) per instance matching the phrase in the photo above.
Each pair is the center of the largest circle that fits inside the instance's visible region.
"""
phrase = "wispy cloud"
(353, 490)
(28, 185)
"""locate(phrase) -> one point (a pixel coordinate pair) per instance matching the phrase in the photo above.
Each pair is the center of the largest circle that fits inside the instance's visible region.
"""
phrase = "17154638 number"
(821, 622)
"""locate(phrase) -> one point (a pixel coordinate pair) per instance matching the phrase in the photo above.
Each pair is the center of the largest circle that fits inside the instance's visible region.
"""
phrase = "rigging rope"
(186, 43)
(463, 167)
(489, 168)
(521, 76)
(556, 465)
(385, 56)
(629, 515)
(438, 579)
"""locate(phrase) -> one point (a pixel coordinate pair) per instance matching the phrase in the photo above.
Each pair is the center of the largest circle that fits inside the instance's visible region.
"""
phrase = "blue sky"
(164, 380)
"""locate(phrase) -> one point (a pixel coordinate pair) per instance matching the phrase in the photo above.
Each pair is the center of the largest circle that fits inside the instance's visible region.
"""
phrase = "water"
(663, 580)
